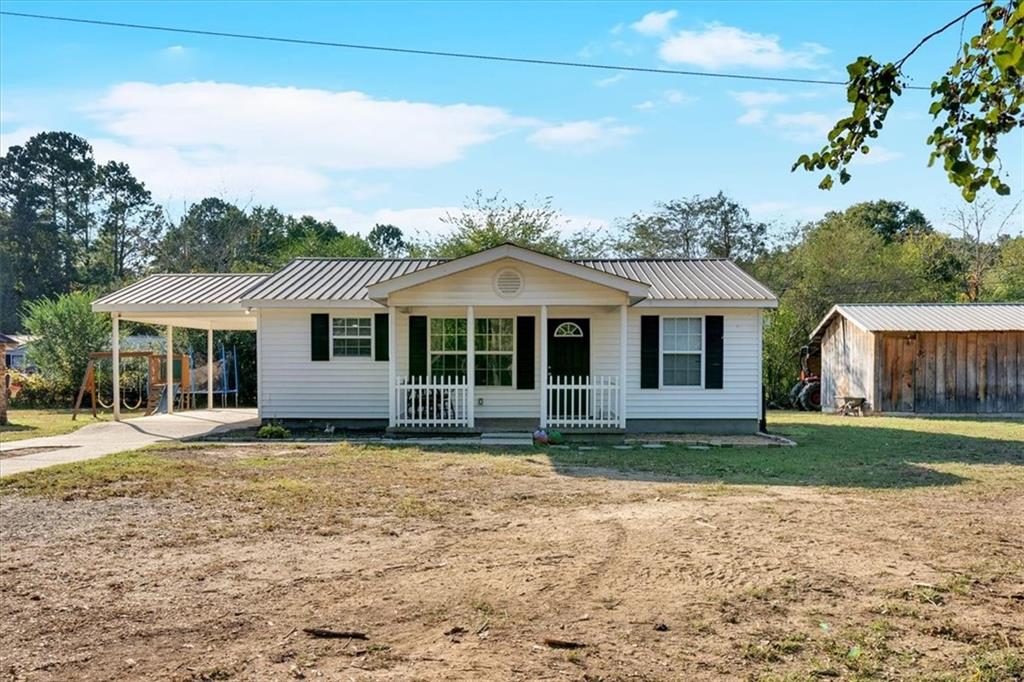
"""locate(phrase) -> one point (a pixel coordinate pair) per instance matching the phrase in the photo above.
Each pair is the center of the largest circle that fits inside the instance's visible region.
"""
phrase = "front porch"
(565, 371)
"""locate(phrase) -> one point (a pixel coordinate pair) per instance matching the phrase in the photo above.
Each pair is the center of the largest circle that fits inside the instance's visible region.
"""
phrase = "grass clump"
(273, 431)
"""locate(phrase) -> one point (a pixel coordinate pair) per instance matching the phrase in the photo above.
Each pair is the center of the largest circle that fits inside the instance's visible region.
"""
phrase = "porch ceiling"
(195, 319)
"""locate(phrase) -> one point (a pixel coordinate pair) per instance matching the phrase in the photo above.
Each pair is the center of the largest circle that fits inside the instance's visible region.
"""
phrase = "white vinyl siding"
(292, 386)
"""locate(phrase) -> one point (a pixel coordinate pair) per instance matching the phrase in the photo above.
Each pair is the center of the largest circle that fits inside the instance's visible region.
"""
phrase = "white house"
(630, 344)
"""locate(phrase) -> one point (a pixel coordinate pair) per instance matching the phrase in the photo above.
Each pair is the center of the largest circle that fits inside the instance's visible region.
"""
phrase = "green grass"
(38, 423)
(863, 452)
(844, 452)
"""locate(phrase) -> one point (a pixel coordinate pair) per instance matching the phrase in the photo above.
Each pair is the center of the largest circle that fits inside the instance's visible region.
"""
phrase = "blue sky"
(361, 137)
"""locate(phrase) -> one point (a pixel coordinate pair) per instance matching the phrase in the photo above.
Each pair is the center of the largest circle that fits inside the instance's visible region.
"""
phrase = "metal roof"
(929, 317)
(185, 289)
(333, 279)
(347, 279)
(688, 280)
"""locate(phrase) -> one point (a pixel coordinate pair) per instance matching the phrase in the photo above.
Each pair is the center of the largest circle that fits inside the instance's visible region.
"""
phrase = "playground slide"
(161, 406)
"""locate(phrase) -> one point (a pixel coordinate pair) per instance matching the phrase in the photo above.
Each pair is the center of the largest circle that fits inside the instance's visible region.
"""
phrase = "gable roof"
(636, 289)
(212, 291)
(928, 317)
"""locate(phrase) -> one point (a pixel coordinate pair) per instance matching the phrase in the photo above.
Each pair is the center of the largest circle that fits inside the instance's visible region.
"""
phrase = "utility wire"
(432, 53)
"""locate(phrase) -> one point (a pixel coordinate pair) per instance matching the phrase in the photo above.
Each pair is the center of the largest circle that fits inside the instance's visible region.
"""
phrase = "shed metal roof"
(688, 280)
(929, 317)
(191, 289)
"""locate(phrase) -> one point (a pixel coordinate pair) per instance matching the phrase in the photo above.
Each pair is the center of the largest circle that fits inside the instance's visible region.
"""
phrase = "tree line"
(70, 224)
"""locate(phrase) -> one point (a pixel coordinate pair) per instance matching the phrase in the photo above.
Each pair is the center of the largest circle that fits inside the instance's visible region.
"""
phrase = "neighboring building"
(16, 353)
(637, 344)
(924, 358)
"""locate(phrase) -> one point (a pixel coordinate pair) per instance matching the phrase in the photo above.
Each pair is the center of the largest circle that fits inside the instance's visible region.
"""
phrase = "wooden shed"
(924, 358)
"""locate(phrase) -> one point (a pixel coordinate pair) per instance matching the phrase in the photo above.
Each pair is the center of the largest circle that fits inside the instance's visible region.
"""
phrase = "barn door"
(899, 373)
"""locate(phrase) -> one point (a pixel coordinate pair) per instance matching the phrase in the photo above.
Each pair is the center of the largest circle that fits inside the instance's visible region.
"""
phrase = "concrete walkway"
(104, 438)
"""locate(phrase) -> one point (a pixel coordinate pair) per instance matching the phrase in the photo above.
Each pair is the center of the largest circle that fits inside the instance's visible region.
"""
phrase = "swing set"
(189, 381)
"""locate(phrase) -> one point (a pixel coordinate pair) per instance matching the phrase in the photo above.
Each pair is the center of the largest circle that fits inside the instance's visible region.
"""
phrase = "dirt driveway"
(208, 563)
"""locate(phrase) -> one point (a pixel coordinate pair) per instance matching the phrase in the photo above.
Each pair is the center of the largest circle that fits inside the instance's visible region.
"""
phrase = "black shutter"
(418, 346)
(649, 345)
(525, 340)
(713, 354)
(320, 337)
(380, 336)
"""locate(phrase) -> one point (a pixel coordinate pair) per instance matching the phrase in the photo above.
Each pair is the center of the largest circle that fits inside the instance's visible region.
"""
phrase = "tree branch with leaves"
(977, 101)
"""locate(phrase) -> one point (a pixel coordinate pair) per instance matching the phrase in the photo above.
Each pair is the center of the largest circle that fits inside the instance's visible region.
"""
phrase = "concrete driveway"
(104, 438)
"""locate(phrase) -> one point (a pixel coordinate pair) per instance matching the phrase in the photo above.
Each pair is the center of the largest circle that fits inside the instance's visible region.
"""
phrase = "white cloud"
(806, 126)
(676, 97)
(611, 80)
(719, 46)
(17, 136)
(582, 135)
(313, 128)
(646, 104)
(876, 155)
(654, 23)
(752, 117)
(756, 98)
(175, 50)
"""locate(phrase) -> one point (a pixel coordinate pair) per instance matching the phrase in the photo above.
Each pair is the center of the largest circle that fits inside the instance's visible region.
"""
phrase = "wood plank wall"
(847, 358)
(947, 372)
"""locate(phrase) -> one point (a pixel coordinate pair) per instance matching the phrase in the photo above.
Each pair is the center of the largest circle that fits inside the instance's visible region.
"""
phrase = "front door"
(568, 364)
(569, 348)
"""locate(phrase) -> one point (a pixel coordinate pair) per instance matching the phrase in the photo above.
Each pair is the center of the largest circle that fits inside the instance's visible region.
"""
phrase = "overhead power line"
(433, 53)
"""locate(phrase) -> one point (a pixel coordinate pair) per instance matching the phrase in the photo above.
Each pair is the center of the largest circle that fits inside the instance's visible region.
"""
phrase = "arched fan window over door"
(568, 330)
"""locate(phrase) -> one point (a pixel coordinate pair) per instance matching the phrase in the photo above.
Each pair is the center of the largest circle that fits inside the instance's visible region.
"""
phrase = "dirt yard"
(207, 563)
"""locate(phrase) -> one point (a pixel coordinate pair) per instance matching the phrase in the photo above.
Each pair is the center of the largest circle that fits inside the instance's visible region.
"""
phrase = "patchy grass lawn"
(877, 549)
(38, 423)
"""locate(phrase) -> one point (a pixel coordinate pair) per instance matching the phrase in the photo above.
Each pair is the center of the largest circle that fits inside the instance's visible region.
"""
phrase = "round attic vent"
(508, 282)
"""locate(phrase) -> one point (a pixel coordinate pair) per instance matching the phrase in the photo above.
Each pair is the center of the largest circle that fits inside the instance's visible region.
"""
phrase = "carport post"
(170, 370)
(115, 356)
(209, 367)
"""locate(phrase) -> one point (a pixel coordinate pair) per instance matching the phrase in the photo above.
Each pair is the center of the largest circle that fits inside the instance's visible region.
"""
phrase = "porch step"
(506, 438)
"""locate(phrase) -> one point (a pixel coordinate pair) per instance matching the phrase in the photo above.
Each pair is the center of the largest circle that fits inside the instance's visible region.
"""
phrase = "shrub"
(273, 431)
(66, 331)
(35, 391)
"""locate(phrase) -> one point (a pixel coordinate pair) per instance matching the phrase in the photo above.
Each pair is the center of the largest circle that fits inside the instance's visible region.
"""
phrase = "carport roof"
(194, 290)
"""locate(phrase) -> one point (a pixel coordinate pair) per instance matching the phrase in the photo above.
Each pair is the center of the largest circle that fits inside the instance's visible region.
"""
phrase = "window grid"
(494, 346)
(351, 336)
(682, 351)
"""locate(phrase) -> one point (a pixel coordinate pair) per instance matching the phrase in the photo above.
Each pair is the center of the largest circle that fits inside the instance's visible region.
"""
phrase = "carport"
(196, 301)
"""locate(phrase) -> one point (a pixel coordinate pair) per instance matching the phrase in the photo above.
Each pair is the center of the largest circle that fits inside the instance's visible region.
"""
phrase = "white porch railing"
(583, 401)
(431, 401)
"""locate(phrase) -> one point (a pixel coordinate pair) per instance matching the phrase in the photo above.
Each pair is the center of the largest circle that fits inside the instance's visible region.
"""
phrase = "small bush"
(36, 391)
(273, 431)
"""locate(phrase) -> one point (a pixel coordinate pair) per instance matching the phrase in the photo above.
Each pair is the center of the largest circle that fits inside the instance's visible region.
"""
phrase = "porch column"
(209, 368)
(115, 356)
(543, 366)
(623, 335)
(169, 380)
(392, 366)
(470, 365)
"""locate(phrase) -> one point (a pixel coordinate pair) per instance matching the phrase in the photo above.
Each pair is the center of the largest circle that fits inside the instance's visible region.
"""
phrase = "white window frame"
(471, 371)
(662, 352)
(477, 351)
(368, 356)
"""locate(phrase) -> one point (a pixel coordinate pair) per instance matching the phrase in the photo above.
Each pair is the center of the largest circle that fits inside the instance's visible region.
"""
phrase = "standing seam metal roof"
(930, 317)
(688, 280)
(347, 279)
(184, 289)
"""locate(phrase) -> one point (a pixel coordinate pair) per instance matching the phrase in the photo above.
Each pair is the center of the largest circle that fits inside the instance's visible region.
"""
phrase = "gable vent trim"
(508, 283)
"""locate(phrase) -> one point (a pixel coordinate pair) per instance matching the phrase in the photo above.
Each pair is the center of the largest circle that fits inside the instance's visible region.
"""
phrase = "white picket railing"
(583, 401)
(431, 401)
